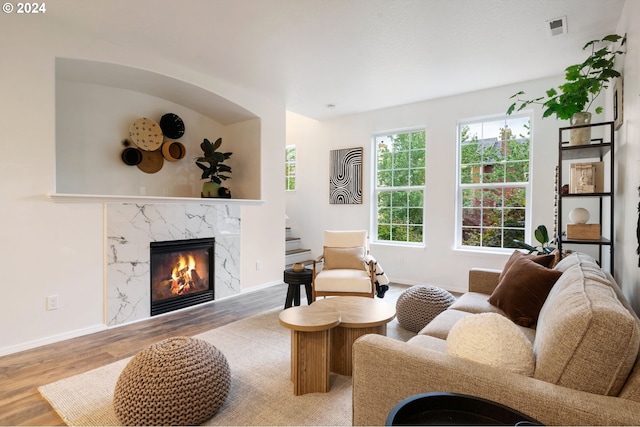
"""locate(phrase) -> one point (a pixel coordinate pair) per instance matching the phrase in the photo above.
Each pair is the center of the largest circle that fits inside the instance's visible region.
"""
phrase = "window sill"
(400, 244)
(485, 251)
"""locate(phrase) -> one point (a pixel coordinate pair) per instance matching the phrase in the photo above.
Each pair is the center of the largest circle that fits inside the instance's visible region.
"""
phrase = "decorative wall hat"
(172, 126)
(173, 151)
(131, 156)
(146, 134)
(151, 162)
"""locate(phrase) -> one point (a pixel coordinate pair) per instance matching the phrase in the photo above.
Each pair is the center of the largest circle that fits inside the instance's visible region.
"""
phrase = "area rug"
(257, 349)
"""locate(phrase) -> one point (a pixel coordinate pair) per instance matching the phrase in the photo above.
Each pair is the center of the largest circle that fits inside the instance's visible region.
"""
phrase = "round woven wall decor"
(146, 134)
(152, 161)
(177, 381)
(173, 151)
(131, 156)
(172, 126)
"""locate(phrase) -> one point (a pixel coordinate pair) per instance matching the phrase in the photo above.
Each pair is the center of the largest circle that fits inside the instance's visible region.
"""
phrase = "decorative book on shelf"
(587, 177)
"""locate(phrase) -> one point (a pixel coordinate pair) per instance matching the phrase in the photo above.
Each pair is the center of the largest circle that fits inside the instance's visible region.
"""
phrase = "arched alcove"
(95, 104)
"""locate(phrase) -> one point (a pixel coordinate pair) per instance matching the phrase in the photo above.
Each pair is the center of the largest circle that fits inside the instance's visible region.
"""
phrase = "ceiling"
(357, 55)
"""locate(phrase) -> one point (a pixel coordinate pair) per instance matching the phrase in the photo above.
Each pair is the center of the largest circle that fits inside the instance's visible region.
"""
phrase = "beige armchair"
(348, 268)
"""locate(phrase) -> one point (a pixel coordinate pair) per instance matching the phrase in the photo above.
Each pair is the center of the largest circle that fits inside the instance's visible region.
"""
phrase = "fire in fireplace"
(182, 274)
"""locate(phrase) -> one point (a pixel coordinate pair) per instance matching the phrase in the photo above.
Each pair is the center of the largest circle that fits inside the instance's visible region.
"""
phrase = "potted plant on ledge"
(216, 169)
(584, 82)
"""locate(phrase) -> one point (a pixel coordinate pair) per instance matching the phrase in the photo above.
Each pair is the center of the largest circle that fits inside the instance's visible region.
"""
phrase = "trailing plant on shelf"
(542, 236)
(584, 81)
(216, 171)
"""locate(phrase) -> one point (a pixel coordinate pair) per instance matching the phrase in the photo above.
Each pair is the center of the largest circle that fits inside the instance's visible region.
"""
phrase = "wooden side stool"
(294, 279)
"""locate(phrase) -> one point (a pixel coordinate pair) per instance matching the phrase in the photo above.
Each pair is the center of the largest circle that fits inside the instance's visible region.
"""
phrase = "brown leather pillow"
(544, 260)
(349, 258)
(523, 290)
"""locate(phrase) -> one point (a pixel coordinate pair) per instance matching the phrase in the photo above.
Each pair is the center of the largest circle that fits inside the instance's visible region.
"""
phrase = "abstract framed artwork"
(345, 180)
(618, 103)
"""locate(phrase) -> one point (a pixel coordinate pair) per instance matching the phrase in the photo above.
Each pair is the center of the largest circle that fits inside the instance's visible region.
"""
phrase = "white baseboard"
(259, 287)
(51, 339)
(98, 328)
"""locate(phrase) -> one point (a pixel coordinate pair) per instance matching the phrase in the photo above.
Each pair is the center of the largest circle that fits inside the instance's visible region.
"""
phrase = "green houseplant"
(216, 171)
(584, 82)
(542, 236)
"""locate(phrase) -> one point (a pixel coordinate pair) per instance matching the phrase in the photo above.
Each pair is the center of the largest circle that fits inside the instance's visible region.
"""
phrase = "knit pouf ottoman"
(177, 381)
(419, 304)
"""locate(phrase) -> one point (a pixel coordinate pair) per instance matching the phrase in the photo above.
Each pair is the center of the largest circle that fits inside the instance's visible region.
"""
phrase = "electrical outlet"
(52, 302)
(258, 265)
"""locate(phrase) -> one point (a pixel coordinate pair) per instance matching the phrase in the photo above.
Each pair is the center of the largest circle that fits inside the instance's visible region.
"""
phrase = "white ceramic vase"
(580, 136)
(210, 189)
(579, 216)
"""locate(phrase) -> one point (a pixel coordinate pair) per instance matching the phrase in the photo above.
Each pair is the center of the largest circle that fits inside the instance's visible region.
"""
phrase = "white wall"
(438, 262)
(310, 212)
(53, 248)
(627, 154)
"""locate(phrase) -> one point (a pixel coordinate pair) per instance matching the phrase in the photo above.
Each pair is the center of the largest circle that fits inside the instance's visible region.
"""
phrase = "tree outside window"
(493, 181)
(290, 167)
(399, 187)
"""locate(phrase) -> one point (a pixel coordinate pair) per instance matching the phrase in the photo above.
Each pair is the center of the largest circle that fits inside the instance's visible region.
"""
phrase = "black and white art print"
(345, 179)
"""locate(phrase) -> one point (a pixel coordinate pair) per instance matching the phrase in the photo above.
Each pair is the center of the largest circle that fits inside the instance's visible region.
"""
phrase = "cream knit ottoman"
(419, 304)
(178, 381)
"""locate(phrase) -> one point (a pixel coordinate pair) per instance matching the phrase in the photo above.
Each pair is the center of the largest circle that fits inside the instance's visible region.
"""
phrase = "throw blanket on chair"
(382, 281)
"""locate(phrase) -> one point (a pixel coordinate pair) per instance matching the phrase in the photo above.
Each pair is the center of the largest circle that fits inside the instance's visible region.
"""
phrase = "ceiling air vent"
(557, 26)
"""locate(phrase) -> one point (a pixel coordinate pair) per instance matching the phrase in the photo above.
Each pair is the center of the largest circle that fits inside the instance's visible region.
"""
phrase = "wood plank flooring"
(22, 373)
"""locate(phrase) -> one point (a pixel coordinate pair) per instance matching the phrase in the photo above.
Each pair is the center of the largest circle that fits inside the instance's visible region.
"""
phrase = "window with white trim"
(290, 167)
(399, 186)
(493, 181)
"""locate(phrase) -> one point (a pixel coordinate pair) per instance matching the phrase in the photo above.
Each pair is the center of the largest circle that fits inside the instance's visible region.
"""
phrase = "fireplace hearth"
(182, 274)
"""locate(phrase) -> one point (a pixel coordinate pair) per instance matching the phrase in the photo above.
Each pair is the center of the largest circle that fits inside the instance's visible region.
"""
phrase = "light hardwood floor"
(22, 373)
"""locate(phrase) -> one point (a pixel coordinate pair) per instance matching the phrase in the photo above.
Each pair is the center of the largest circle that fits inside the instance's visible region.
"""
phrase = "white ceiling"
(359, 55)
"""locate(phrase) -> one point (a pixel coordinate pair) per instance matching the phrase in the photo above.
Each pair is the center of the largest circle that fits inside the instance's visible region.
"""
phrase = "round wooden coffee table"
(358, 316)
(310, 342)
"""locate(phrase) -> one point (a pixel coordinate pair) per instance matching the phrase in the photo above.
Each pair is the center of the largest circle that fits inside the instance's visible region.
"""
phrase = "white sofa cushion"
(340, 280)
(494, 340)
(475, 302)
(443, 322)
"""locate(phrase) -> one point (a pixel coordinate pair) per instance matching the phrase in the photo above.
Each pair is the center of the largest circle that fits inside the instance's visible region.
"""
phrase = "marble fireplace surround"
(131, 227)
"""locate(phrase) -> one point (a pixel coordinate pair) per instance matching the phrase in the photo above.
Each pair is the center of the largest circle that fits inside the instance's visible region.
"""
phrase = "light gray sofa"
(585, 343)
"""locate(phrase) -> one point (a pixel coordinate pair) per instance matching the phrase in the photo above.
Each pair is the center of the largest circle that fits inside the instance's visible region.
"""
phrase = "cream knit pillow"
(494, 340)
